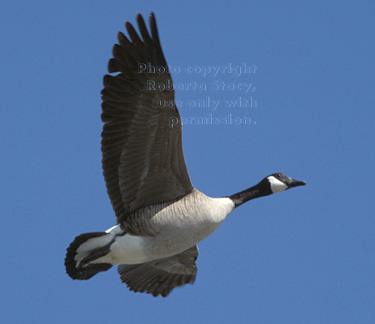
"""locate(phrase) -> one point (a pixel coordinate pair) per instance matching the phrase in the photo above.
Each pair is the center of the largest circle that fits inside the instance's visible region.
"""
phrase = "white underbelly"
(178, 228)
(130, 249)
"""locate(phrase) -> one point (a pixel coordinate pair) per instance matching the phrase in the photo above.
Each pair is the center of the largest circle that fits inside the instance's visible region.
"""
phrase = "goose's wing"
(159, 277)
(143, 161)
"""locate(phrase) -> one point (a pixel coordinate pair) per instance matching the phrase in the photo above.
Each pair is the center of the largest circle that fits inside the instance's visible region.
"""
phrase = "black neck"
(260, 190)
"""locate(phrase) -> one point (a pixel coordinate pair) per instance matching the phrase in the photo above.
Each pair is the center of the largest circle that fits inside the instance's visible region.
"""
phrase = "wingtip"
(152, 18)
(139, 15)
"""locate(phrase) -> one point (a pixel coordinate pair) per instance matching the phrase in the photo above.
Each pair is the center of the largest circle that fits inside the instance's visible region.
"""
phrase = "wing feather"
(143, 162)
(160, 277)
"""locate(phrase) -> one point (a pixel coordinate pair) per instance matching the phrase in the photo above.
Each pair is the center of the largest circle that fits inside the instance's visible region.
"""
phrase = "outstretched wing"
(143, 162)
(159, 277)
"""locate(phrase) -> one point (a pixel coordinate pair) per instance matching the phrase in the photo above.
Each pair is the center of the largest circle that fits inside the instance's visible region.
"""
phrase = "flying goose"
(160, 215)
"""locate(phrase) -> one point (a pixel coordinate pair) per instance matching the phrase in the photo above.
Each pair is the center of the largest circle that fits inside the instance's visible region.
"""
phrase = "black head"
(279, 182)
(274, 183)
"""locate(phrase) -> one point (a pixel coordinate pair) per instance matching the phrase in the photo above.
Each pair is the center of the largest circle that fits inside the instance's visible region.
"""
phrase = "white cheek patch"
(276, 185)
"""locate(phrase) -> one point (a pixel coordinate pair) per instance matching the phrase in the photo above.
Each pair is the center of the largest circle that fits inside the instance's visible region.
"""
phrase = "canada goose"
(160, 215)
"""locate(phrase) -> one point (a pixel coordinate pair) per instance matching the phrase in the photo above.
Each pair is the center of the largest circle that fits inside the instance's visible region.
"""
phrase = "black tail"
(84, 269)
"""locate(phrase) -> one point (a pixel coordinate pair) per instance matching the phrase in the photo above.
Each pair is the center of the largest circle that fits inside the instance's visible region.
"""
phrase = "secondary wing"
(159, 277)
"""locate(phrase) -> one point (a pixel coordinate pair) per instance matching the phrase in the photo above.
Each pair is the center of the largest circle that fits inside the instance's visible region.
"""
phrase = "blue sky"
(303, 256)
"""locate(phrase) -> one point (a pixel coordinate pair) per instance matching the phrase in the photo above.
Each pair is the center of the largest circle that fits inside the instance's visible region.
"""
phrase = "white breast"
(192, 218)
